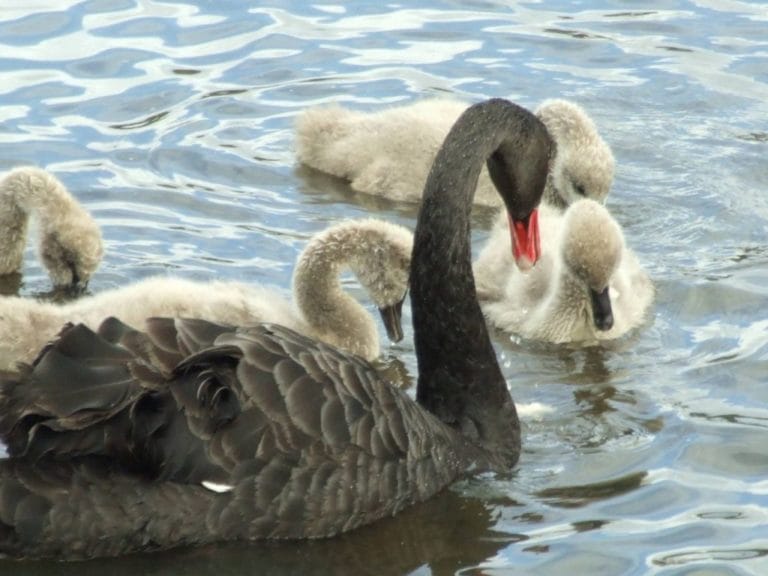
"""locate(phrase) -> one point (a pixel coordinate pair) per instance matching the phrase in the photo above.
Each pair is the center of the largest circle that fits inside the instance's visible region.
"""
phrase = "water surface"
(173, 123)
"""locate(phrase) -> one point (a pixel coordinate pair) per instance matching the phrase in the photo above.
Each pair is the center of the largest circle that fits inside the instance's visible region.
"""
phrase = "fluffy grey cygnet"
(587, 285)
(389, 152)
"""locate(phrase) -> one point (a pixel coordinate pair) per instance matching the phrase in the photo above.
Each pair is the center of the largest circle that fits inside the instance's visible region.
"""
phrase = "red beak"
(526, 246)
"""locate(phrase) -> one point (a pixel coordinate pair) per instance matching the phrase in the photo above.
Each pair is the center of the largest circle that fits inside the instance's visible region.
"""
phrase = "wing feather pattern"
(129, 426)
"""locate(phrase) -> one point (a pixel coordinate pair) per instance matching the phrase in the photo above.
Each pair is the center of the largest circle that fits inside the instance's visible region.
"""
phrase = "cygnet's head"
(382, 266)
(72, 250)
(583, 164)
(592, 249)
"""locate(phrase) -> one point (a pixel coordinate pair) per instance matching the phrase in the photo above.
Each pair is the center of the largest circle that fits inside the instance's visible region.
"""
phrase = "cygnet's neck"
(333, 315)
(590, 247)
(566, 307)
(23, 192)
(69, 245)
(32, 190)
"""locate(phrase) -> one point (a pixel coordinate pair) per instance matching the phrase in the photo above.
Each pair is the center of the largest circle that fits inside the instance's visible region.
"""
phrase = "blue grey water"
(173, 122)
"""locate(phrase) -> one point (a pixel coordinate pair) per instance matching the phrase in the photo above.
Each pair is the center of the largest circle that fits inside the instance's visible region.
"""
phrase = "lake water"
(173, 123)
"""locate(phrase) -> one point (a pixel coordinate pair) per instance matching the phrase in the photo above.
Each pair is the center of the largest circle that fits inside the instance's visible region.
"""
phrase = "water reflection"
(319, 187)
(571, 496)
(444, 535)
(322, 188)
(12, 285)
(707, 555)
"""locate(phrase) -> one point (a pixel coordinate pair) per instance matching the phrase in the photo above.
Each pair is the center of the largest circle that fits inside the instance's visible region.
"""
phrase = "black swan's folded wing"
(277, 435)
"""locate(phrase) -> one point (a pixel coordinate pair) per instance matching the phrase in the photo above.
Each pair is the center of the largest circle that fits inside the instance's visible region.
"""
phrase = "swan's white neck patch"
(216, 487)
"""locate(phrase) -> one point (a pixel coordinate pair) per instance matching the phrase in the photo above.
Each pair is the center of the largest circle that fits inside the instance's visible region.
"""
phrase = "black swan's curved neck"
(459, 377)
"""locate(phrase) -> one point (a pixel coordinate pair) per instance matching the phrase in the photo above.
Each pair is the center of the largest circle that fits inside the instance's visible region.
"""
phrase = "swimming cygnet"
(587, 285)
(389, 152)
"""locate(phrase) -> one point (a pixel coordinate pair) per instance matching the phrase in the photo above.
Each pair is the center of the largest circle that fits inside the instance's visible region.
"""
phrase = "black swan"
(191, 432)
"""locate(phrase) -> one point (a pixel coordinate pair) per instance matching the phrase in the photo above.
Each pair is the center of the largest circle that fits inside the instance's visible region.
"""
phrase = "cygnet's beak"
(602, 313)
(77, 285)
(392, 318)
(526, 245)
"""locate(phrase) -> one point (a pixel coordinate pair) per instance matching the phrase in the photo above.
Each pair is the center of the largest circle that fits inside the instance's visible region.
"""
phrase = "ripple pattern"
(173, 122)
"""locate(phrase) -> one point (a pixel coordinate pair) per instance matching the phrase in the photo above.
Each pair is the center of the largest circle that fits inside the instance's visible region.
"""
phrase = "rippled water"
(173, 122)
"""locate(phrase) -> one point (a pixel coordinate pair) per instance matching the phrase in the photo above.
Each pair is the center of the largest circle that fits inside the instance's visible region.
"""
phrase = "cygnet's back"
(27, 323)
(386, 153)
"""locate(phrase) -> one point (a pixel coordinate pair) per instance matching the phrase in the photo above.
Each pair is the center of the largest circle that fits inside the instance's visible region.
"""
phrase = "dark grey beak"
(602, 314)
(392, 318)
(78, 286)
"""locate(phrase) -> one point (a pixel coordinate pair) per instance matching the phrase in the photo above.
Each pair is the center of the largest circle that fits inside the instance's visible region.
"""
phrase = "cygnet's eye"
(580, 190)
